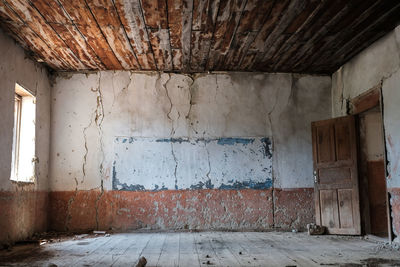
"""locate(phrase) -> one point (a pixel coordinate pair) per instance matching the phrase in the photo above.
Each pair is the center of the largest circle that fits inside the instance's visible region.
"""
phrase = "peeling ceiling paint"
(308, 36)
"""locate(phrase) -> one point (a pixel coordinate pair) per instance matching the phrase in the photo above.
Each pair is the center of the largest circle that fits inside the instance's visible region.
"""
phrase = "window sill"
(22, 182)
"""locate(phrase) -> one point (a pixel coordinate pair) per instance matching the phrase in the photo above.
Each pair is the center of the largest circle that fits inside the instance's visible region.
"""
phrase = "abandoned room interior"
(200, 132)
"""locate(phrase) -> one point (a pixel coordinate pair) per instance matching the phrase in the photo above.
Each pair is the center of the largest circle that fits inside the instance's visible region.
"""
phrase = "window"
(23, 149)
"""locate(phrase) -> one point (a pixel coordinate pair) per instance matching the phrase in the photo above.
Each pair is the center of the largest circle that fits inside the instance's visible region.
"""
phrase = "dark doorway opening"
(374, 206)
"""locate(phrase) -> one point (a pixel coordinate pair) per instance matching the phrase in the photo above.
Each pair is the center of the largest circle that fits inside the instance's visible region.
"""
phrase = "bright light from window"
(23, 150)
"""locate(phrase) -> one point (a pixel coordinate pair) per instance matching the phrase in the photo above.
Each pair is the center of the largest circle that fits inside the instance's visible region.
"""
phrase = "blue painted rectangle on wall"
(181, 163)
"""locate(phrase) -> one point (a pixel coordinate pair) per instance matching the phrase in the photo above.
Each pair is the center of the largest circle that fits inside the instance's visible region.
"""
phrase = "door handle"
(315, 176)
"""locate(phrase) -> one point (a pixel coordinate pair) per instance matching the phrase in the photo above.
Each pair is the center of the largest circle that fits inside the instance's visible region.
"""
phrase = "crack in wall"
(176, 165)
(99, 121)
(129, 83)
(273, 147)
(209, 163)
(86, 151)
(97, 118)
(190, 104)
(98, 115)
(113, 89)
(171, 105)
(269, 117)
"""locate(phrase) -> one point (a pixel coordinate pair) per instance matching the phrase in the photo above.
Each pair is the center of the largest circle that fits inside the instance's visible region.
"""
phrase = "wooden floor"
(207, 248)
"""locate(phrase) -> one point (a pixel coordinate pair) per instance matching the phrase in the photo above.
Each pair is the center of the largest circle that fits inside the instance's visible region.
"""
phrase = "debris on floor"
(81, 236)
(314, 229)
(142, 262)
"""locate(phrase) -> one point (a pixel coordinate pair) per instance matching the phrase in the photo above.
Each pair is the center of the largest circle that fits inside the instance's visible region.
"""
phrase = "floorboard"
(206, 249)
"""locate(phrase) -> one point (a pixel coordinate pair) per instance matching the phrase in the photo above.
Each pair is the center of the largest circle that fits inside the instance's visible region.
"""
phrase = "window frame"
(21, 96)
(16, 135)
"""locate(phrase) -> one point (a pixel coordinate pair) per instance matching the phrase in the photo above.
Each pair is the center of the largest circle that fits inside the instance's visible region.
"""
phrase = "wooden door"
(335, 175)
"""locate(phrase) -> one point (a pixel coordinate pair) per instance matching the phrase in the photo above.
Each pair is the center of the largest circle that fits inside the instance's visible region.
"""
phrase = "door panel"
(343, 146)
(329, 208)
(335, 175)
(345, 208)
(325, 143)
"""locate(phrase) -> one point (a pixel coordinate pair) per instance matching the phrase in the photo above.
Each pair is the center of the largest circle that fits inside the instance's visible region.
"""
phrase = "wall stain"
(117, 185)
(173, 140)
(267, 147)
(233, 141)
(201, 185)
(247, 184)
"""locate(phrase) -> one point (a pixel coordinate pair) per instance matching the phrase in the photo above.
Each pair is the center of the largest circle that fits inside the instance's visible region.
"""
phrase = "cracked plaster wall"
(378, 65)
(23, 206)
(90, 110)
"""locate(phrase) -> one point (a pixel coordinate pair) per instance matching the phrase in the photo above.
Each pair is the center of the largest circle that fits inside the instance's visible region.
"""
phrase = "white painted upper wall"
(15, 67)
(89, 111)
(378, 64)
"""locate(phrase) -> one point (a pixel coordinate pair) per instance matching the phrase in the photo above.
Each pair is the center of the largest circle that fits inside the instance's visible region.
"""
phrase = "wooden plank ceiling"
(304, 36)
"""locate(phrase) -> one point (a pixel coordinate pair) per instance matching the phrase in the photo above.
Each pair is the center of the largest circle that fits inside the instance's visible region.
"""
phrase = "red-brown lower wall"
(25, 212)
(395, 207)
(22, 213)
(182, 209)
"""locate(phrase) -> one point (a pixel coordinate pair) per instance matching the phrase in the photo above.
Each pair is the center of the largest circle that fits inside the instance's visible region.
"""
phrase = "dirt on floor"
(57, 249)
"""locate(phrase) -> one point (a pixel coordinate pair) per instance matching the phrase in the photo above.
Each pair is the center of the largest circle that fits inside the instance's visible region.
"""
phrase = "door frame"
(370, 99)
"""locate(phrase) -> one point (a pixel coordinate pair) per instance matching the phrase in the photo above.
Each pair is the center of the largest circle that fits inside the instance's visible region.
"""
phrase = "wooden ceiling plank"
(35, 21)
(308, 47)
(365, 40)
(254, 15)
(176, 21)
(131, 15)
(159, 39)
(228, 19)
(81, 16)
(155, 13)
(326, 11)
(272, 18)
(38, 24)
(177, 60)
(307, 36)
(56, 17)
(345, 36)
(155, 16)
(305, 15)
(306, 19)
(247, 60)
(187, 14)
(33, 40)
(332, 36)
(30, 42)
(238, 50)
(204, 18)
(10, 28)
(277, 35)
(109, 22)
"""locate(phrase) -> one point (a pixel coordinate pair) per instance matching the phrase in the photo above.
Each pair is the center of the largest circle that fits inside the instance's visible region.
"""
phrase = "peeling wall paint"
(378, 65)
(173, 111)
(205, 209)
(172, 151)
(182, 163)
(22, 205)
